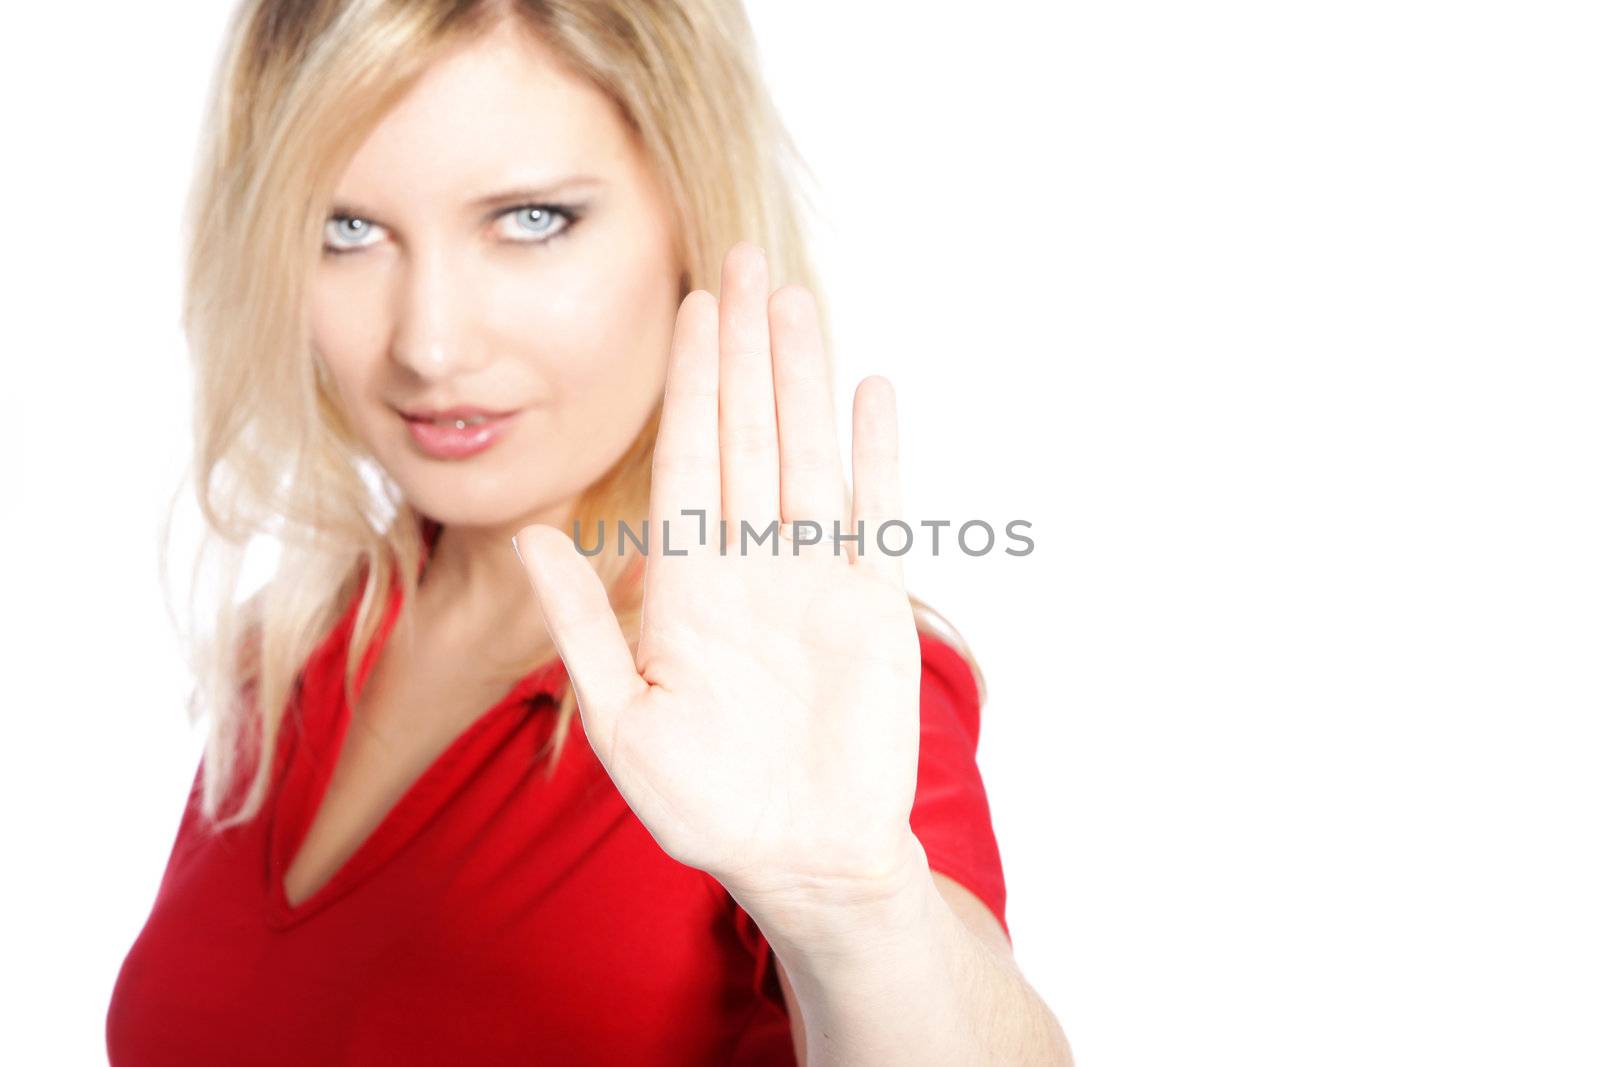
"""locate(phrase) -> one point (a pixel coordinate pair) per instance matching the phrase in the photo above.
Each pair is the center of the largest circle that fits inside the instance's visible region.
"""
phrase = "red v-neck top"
(493, 916)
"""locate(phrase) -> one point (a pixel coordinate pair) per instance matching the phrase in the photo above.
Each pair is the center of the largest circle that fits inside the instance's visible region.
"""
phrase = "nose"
(433, 334)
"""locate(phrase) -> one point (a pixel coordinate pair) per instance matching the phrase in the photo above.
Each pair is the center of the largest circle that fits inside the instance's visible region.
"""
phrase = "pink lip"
(457, 442)
(460, 411)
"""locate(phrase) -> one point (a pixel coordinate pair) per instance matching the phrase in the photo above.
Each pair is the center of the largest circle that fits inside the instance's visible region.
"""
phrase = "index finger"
(685, 472)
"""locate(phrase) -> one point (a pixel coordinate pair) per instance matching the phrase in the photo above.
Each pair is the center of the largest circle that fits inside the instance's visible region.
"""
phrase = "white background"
(1278, 322)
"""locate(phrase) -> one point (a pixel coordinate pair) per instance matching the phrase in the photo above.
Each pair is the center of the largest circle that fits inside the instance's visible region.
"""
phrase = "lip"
(460, 411)
(456, 442)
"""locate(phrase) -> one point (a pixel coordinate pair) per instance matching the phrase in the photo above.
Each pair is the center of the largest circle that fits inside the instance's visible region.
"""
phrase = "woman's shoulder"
(948, 682)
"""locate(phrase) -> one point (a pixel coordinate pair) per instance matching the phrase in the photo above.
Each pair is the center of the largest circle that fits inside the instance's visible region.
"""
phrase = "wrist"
(837, 916)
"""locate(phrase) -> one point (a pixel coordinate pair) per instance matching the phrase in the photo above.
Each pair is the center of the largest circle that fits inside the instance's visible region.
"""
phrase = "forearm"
(903, 980)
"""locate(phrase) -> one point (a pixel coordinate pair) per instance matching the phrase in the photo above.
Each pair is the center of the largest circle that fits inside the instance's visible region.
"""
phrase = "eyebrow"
(526, 193)
(518, 194)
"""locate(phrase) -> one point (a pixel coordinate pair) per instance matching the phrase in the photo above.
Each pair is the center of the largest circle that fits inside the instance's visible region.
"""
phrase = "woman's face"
(499, 242)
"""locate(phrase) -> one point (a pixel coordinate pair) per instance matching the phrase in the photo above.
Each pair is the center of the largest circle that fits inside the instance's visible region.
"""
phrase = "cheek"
(346, 316)
(599, 330)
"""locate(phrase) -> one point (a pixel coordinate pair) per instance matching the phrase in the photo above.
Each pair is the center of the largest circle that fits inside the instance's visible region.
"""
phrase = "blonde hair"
(299, 85)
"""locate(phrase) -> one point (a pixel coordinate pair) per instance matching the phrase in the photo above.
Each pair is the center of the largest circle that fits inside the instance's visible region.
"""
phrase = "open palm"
(767, 730)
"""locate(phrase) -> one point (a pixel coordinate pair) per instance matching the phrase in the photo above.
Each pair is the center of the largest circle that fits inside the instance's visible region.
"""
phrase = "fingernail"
(517, 550)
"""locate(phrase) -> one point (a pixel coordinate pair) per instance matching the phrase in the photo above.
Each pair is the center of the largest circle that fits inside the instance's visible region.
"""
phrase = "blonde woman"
(451, 306)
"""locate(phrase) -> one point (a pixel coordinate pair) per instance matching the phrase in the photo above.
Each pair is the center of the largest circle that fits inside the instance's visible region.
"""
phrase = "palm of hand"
(767, 730)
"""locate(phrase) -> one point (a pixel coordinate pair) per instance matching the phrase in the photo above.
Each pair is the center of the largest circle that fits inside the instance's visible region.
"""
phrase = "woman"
(450, 281)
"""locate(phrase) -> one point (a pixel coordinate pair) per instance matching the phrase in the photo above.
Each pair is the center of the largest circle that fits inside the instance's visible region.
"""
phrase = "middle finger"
(747, 411)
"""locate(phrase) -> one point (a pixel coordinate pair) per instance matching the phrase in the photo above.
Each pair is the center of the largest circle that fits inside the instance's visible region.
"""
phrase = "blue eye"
(535, 223)
(345, 233)
(524, 224)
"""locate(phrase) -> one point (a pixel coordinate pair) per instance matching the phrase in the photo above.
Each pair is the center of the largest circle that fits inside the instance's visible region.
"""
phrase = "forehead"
(495, 109)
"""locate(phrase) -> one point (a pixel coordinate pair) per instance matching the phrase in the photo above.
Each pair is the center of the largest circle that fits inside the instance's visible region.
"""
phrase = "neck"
(474, 579)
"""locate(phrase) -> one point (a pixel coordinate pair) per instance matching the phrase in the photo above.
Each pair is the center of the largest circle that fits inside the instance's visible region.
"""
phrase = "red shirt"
(493, 916)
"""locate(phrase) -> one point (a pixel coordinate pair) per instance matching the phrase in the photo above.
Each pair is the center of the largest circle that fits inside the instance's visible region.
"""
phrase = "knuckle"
(750, 439)
(807, 461)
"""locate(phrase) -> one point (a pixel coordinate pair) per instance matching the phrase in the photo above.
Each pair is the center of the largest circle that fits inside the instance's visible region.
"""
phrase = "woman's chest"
(504, 929)
(403, 731)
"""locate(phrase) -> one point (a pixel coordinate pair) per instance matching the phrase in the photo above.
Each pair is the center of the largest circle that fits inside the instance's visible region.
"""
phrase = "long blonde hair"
(299, 85)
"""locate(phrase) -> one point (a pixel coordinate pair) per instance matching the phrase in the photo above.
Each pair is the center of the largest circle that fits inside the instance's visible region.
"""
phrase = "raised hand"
(767, 730)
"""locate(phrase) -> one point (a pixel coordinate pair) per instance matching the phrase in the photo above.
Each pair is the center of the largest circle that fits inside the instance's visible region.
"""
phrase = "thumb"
(583, 627)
